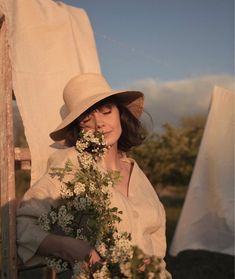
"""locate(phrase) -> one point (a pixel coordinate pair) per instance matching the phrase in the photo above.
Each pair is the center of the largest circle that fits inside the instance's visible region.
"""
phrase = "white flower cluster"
(101, 249)
(78, 271)
(122, 250)
(56, 264)
(86, 159)
(64, 219)
(93, 143)
(45, 222)
(126, 269)
(102, 273)
(81, 146)
(65, 192)
(79, 188)
(84, 212)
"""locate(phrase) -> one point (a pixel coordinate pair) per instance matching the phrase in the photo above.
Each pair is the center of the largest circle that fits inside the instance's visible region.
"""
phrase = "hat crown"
(83, 87)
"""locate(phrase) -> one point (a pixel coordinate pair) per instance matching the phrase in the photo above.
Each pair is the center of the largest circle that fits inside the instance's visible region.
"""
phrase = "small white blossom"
(81, 146)
(65, 191)
(110, 184)
(122, 248)
(101, 248)
(80, 235)
(53, 216)
(56, 264)
(79, 188)
(78, 269)
(64, 218)
(126, 269)
(82, 203)
(102, 273)
(92, 187)
(44, 222)
(86, 160)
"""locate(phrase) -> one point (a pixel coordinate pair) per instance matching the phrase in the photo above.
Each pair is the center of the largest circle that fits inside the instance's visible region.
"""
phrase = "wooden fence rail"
(23, 156)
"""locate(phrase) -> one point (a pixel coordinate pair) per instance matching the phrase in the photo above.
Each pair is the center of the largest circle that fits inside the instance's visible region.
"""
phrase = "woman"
(93, 105)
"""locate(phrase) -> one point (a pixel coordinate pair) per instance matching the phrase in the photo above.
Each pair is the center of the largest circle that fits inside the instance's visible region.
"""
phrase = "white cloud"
(168, 101)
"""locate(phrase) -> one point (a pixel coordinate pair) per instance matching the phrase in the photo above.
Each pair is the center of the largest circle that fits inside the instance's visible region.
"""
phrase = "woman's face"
(105, 119)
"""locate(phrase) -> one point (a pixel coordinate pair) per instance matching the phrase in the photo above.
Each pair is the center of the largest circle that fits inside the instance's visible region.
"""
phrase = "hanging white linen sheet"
(207, 217)
(50, 42)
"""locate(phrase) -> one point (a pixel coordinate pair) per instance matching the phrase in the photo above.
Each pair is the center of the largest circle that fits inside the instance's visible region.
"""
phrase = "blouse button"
(135, 214)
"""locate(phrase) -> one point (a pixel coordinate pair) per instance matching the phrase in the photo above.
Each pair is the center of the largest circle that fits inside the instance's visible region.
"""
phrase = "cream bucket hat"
(85, 90)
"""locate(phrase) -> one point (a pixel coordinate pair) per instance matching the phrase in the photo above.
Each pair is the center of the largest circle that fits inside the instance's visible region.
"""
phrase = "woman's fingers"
(94, 257)
(145, 263)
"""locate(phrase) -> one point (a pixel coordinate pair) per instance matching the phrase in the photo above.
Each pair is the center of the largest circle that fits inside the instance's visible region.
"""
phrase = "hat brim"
(133, 100)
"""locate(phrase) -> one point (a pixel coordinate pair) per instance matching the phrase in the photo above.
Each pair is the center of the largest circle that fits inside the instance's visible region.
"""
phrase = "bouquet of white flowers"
(84, 212)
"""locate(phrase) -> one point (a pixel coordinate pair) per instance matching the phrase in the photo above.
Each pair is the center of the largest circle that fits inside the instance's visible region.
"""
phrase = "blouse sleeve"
(159, 237)
(37, 200)
(159, 246)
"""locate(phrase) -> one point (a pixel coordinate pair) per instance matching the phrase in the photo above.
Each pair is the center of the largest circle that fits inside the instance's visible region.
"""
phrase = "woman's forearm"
(67, 248)
(50, 246)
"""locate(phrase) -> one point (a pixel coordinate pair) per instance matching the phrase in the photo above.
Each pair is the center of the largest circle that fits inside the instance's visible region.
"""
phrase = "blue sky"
(164, 47)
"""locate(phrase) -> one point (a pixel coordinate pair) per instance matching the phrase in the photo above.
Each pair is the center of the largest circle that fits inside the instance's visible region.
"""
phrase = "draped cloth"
(49, 42)
(207, 217)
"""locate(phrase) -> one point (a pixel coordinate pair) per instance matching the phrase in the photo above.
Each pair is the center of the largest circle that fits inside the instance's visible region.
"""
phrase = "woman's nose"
(99, 123)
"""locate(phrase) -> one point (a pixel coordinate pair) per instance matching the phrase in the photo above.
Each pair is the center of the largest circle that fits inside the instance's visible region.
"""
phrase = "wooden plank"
(25, 165)
(22, 154)
(7, 176)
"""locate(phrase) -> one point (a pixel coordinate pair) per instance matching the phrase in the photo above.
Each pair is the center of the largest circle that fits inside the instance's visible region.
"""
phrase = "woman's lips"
(108, 132)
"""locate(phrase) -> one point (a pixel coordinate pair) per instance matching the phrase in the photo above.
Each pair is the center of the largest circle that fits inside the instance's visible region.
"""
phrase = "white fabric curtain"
(207, 218)
(50, 42)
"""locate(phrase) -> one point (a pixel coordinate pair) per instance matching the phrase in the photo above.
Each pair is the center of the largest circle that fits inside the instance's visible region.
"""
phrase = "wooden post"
(7, 174)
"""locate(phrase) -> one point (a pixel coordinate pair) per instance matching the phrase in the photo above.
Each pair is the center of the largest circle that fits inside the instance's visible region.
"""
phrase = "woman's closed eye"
(105, 109)
(85, 119)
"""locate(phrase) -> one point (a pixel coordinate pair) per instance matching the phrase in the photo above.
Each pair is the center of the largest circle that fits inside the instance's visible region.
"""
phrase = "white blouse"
(143, 214)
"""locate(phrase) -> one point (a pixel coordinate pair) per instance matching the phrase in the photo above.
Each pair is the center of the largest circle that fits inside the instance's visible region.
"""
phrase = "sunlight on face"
(105, 119)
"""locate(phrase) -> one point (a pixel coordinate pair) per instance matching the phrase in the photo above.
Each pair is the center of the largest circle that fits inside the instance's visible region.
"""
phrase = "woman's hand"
(72, 250)
(145, 263)
(68, 248)
(94, 257)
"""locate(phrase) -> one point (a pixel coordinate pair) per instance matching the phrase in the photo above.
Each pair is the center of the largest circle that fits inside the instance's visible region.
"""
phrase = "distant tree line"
(168, 158)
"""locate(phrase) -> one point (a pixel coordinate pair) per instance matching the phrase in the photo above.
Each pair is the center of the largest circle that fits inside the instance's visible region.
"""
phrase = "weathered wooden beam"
(23, 155)
(7, 175)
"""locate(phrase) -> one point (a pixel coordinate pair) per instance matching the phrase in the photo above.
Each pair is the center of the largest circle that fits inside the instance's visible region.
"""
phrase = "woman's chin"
(111, 143)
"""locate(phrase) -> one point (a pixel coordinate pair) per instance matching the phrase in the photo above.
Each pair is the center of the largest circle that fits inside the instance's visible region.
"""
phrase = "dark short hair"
(132, 128)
